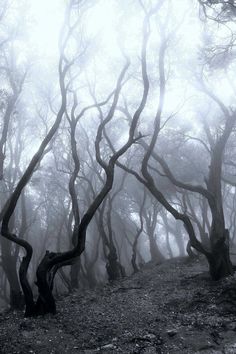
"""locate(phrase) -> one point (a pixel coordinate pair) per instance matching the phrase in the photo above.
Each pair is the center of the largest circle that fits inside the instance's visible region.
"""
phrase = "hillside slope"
(168, 308)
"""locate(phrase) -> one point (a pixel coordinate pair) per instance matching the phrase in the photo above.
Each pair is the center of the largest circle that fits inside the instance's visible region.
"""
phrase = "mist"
(117, 143)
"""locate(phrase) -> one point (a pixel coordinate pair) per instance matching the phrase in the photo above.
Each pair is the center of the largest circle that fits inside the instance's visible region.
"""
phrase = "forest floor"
(169, 308)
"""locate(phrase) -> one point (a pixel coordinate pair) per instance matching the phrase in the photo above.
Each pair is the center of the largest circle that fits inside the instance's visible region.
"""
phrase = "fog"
(117, 143)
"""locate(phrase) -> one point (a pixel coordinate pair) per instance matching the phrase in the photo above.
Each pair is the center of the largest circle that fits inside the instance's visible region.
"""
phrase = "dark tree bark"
(53, 261)
(11, 204)
(113, 266)
(151, 222)
(139, 232)
(75, 215)
(146, 178)
(213, 194)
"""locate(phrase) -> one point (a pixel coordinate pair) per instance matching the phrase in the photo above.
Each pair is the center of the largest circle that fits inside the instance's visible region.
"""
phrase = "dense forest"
(117, 142)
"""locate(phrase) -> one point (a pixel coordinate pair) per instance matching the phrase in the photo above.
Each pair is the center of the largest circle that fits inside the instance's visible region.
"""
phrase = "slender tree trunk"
(168, 244)
(74, 275)
(9, 266)
(179, 239)
(134, 254)
(114, 268)
(219, 260)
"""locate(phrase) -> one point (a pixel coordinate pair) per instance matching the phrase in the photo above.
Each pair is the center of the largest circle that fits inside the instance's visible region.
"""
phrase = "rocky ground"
(168, 308)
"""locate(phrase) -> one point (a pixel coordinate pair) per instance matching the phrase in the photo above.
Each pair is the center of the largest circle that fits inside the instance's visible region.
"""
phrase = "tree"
(11, 204)
(52, 261)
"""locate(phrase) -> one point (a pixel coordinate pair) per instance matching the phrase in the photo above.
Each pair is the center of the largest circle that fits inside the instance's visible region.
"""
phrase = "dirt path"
(170, 308)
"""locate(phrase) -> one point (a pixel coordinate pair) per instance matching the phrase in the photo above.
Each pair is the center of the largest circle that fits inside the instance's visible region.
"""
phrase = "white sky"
(47, 17)
(102, 19)
(103, 23)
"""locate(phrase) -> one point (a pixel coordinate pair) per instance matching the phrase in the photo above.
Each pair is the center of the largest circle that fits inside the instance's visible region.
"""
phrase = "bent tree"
(53, 261)
(10, 206)
(217, 249)
(218, 253)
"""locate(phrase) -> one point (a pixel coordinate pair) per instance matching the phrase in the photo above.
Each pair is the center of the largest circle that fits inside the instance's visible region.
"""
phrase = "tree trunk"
(10, 269)
(190, 252)
(168, 244)
(45, 302)
(179, 239)
(156, 255)
(114, 268)
(133, 258)
(74, 275)
(220, 265)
